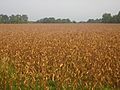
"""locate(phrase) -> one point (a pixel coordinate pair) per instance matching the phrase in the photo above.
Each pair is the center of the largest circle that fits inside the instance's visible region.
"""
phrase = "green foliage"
(94, 21)
(107, 88)
(14, 85)
(13, 19)
(4, 19)
(22, 86)
(7, 86)
(53, 20)
(106, 18)
(52, 85)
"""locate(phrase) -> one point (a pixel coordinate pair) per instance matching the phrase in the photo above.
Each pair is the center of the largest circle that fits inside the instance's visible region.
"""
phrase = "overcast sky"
(78, 10)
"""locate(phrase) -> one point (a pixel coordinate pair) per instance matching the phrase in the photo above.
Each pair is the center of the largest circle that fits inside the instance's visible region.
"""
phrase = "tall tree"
(106, 18)
(12, 19)
(118, 16)
(18, 18)
(114, 19)
(4, 19)
(24, 18)
(0, 18)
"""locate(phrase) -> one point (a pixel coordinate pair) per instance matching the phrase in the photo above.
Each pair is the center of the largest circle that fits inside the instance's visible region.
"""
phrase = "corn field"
(60, 57)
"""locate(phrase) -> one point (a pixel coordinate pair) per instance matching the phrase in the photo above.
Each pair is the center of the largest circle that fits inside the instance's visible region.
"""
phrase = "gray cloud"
(73, 9)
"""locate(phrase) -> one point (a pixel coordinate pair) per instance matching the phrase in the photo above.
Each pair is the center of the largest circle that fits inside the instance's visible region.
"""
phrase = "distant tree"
(106, 18)
(90, 21)
(94, 21)
(74, 22)
(18, 18)
(24, 18)
(12, 19)
(114, 19)
(44, 20)
(118, 17)
(59, 20)
(53, 20)
(66, 21)
(4, 19)
(0, 18)
(98, 20)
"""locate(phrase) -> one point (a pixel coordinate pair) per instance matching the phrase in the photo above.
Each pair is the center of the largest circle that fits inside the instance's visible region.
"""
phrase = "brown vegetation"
(68, 54)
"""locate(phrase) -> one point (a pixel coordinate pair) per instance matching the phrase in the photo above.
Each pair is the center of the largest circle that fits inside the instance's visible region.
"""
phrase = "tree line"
(13, 18)
(53, 20)
(106, 18)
